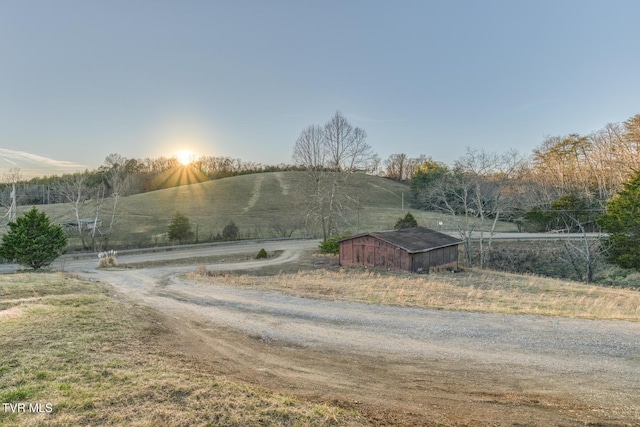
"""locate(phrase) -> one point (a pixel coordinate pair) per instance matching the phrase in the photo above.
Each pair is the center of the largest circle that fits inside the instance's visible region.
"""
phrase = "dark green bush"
(179, 228)
(230, 231)
(261, 254)
(408, 221)
(33, 241)
(331, 245)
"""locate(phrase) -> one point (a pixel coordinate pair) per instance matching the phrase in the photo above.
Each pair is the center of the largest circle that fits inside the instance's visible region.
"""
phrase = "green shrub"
(33, 241)
(230, 231)
(331, 245)
(179, 228)
(408, 221)
(261, 254)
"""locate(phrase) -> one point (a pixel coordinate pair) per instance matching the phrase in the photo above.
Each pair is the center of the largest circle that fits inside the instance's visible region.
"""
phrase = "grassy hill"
(262, 205)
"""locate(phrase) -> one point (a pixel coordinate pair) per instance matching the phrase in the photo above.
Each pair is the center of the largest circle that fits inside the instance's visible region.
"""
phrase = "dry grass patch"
(482, 291)
(97, 362)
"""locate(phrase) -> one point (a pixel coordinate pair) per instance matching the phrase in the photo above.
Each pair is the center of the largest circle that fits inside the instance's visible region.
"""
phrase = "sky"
(80, 80)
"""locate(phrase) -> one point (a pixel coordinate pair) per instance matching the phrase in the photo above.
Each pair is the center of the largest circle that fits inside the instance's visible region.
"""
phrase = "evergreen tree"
(622, 222)
(33, 241)
(230, 231)
(179, 228)
(407, 222)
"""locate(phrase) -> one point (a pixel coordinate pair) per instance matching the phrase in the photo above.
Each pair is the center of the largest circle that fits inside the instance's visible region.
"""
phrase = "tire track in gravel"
(400, 365)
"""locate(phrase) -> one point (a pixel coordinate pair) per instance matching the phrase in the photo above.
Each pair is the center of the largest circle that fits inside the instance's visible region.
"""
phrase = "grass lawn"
(86, 359)
(262, 205)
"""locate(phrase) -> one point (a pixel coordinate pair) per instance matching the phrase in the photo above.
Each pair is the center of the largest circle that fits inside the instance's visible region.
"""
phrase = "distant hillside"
(262, 205)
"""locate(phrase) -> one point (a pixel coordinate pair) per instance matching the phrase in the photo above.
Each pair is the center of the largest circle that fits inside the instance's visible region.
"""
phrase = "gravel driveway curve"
(595, 362)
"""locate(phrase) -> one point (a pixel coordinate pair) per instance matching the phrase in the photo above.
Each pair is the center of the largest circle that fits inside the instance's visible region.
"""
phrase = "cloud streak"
(34, 165)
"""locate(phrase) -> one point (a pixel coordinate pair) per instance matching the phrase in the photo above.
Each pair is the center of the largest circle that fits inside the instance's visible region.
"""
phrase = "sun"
(185, 157)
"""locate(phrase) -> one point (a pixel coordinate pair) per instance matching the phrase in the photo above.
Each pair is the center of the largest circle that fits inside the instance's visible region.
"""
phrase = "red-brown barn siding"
(436, 258)
(369, 251)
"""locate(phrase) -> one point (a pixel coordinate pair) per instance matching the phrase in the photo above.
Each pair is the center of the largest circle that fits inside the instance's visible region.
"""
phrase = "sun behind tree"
(185, 157)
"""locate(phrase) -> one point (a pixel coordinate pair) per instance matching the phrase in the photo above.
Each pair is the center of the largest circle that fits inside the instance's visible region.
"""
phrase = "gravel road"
(593, 365)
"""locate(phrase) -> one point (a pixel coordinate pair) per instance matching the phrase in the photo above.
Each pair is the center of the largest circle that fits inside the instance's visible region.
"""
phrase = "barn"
(415, 249)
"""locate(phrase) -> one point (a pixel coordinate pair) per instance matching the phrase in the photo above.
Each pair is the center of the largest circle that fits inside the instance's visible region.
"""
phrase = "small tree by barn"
(408, 221)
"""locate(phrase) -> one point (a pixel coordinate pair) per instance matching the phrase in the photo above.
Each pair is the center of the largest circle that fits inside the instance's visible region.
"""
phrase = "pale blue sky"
(82, 79)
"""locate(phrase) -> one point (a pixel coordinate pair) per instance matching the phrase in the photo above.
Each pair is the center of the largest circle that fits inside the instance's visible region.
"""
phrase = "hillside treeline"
(131, 176)
(562, 185)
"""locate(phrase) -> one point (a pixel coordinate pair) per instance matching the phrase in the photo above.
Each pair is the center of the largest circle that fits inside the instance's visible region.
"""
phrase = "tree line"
(95, 196)
(595, 165)
(138, 176)
(571, 173)
(564, 185)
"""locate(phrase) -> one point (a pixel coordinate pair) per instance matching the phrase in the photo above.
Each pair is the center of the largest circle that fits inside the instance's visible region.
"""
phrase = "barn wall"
(371, 252)
(437, 258)
(368, 251)
(346, 253)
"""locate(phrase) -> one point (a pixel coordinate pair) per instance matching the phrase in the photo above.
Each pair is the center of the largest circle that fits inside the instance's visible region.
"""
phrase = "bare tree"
(330, 154)
(562, 163)
(632, 139)
(310, 149)
(475, 193)
(396, 167)
(609, 161)
(595, 166)
(75, 191)
(11, 178)
(583, 253)
(86, 203)
(346, 146)
(119, 181)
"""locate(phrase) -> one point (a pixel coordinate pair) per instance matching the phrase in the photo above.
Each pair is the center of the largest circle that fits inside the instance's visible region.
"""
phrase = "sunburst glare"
(185, 157)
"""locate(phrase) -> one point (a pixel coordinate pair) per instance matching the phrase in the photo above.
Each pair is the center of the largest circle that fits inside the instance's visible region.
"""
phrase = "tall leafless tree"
(329, 154)
(396, 167)
(346, 146)
(11, 178)
(476, 194)
(75, 191)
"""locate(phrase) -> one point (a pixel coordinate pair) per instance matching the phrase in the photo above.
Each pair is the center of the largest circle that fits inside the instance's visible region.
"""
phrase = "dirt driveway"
(399, 366)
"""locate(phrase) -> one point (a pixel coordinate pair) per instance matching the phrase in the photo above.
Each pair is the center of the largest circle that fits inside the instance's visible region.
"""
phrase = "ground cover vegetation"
(87, 359)
(486, 291)
(551, 258)
(564, 185)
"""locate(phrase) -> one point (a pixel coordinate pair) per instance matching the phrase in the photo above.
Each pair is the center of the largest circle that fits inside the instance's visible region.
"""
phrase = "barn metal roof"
(413, 240)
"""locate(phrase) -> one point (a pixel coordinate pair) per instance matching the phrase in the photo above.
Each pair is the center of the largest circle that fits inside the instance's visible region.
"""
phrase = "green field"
(262, 205)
